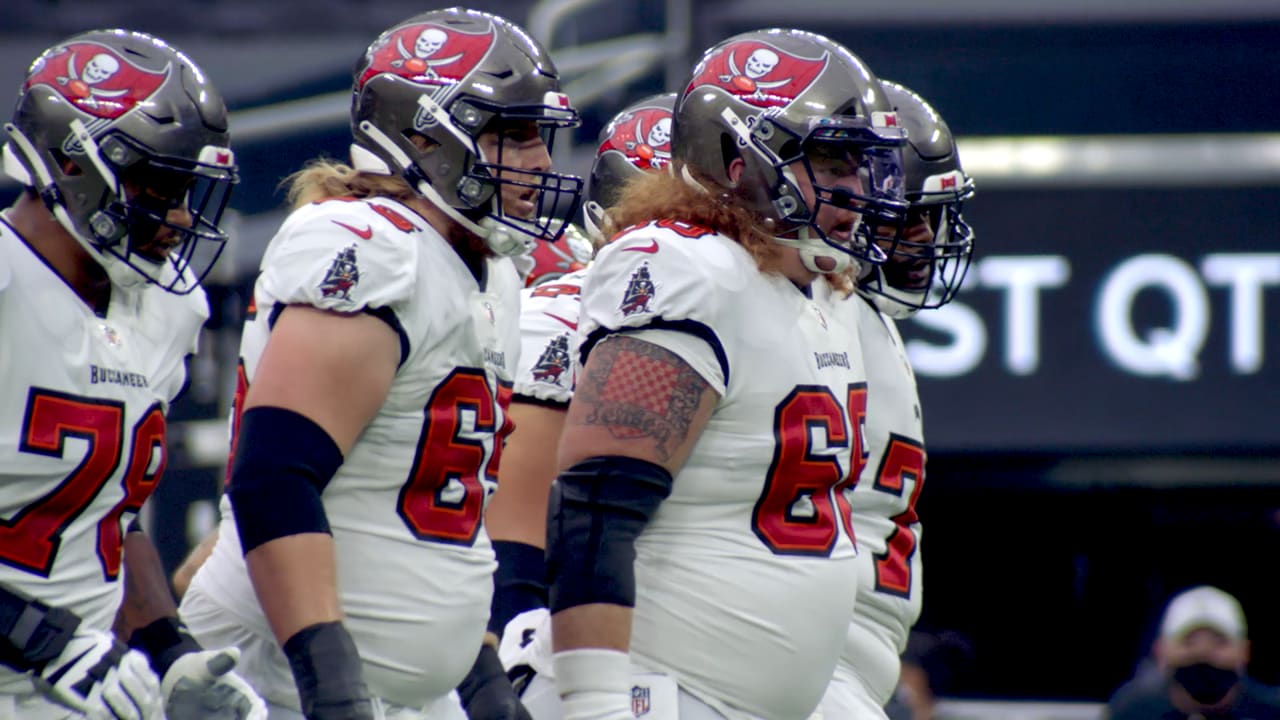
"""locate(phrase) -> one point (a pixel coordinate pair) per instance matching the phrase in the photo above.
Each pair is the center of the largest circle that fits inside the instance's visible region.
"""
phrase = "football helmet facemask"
(925, 269)
(428, 89)
(774, 98)
(116, 130)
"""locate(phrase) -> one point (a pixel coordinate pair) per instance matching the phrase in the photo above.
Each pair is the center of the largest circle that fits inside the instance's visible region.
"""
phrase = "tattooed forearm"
(636, 389)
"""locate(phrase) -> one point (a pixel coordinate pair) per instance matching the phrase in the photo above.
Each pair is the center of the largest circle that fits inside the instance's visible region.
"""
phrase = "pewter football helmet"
(772, 96)
(449, 76)
(115, 130)
(921, 275)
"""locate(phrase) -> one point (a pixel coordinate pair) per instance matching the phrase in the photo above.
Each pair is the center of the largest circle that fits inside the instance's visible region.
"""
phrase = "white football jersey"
(745, 577)
(549, 339)
(884, 514)
(414, 563)
(82, 438)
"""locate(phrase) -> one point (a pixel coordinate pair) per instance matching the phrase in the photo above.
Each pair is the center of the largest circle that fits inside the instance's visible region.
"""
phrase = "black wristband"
(327, 670)
(519, 584)
(163, 642)
(31, 632)
(484, 670)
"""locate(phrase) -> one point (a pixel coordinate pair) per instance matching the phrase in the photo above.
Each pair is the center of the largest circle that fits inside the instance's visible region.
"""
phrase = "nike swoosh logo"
(652, 247)
(572, 325)
(364, 234)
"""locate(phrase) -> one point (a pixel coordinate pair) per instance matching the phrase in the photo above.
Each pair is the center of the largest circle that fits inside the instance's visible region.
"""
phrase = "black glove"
(486, 692)
(326, 667)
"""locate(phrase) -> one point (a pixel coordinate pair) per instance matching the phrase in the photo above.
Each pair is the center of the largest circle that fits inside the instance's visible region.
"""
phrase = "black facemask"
(1205, 683)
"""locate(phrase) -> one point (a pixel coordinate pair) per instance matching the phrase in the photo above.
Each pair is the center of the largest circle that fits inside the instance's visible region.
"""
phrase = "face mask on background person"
(1206, 683)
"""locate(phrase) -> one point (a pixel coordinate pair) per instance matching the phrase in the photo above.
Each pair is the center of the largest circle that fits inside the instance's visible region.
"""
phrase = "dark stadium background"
(1064, 503)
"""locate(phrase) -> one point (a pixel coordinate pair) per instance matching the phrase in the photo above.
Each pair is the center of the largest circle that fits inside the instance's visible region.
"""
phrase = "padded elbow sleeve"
(597, 510)
(282, 463)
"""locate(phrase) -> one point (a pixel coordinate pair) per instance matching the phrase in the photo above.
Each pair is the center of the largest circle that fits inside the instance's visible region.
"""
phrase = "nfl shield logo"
(639, 700)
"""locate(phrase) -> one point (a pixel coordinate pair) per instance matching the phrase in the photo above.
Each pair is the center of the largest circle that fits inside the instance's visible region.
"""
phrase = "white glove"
(526, 640)
(99, 676)
(201, 685)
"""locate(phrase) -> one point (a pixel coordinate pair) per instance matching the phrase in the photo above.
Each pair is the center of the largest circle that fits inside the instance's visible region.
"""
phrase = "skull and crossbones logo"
(760, 63)
(646, 145)
(83, 83)
(421, 60)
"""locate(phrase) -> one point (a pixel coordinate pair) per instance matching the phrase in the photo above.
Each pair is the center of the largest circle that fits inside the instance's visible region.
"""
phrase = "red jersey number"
(903, 465)
(237, 407)
(684, 229)
(443, 499)
(30, 539)
(146, 466)
(795, 514)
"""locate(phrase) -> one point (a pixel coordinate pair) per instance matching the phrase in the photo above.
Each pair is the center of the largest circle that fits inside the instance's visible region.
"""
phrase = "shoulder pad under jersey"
(345, 255)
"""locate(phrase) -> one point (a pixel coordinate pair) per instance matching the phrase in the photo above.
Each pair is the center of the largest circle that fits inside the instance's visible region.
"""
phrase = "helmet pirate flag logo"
(642, 136)
(758, 73)
(96, 80)
(429, 54)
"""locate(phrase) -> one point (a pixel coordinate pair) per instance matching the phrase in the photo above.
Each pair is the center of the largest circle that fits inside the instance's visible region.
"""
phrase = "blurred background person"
(1200, 669)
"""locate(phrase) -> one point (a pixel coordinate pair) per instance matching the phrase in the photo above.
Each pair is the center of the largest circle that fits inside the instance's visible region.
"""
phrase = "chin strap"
(593, 217)
(812, 250)
(692, 181)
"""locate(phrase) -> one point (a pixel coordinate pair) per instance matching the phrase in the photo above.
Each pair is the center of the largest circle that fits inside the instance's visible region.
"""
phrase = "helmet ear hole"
(789, 150)
(65, 164)
(728, 152)
(423, 143)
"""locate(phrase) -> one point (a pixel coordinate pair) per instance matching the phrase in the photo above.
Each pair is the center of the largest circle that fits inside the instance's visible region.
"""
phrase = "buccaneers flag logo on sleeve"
(96, 79)
(429, 54)
(758, 73)
(642, 136)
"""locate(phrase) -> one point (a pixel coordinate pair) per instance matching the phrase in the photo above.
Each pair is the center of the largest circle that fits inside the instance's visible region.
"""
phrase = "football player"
(121, 144)
(549, 308)
(352, 565)
(928, 257)
(697, 531)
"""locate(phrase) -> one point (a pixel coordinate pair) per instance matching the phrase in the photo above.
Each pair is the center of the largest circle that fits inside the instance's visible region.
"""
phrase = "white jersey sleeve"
(340, 256)
(549, 340)
(632, 286)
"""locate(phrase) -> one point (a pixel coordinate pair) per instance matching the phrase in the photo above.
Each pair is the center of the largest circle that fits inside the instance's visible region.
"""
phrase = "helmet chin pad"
(816, 254)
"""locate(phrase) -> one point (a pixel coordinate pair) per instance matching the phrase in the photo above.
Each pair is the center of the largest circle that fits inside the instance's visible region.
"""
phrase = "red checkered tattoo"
(637, 389)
